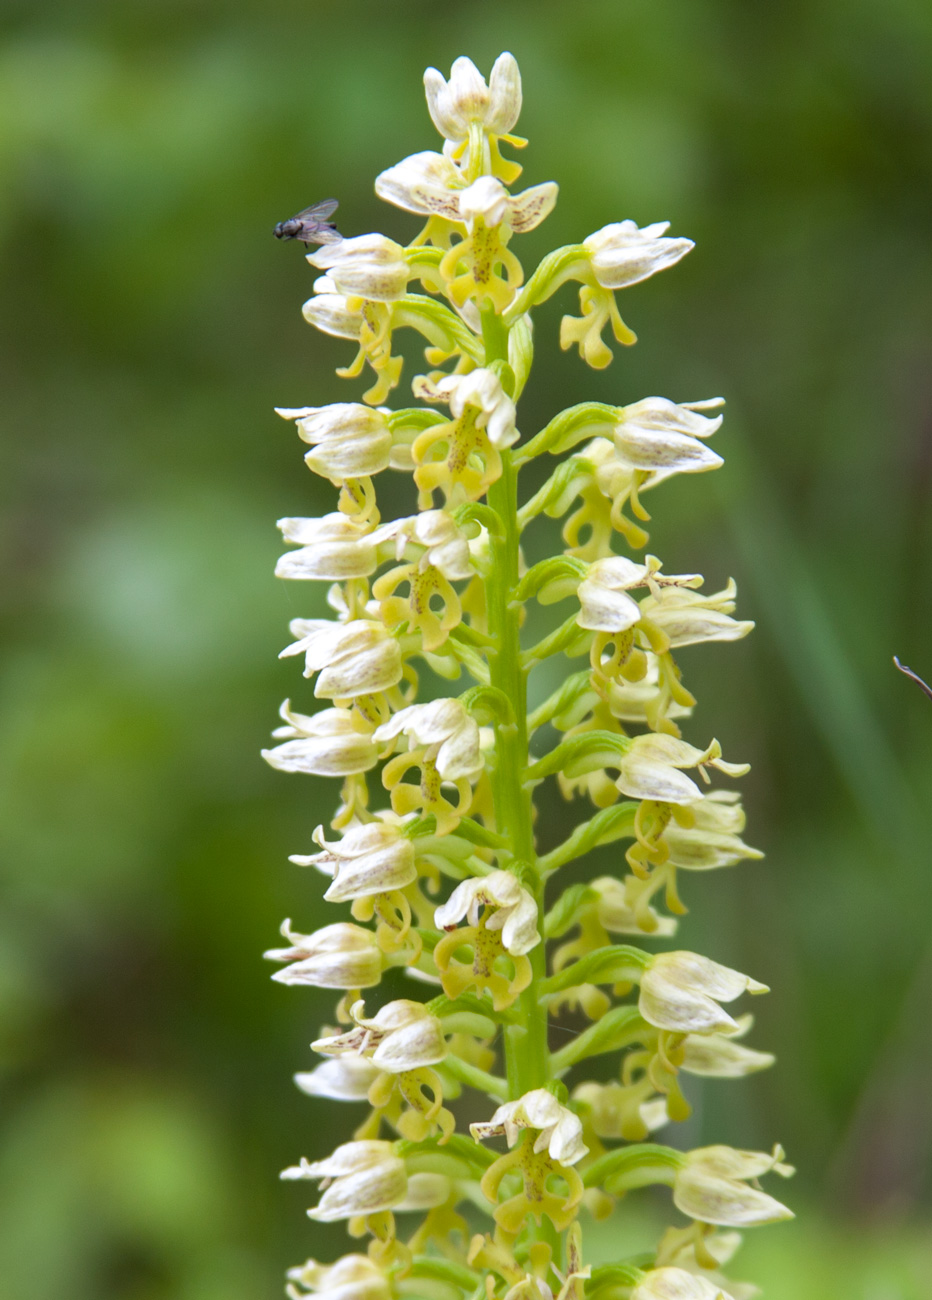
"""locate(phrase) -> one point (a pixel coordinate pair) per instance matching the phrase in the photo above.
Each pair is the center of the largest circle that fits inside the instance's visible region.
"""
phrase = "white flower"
(697, 848)
(430, 184)
(345, 1078)
(368, 266)
(465, 99)
(340, 956)
(617, 916)
(677, 1284)
(481, 390)
(446, 545)
(349, 440)
(427, 183)
(621, 254)
(681, 991)
(712, 1187)
(446, 729)
(515, 914)
(650, 768)
(360, 657)
(354, 1277)
(403, 1035)
(367, 1178)
(333, 548)
(689, 619)
(660, 435)
(372, 859)
(560, 1130)
(332, 312)
(719, 1056)
(605, 605)
(327, 744)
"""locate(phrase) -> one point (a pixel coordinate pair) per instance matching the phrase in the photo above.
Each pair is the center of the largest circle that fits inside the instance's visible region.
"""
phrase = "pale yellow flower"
(681, 991)
(559, 1130)
(340, 956)
(713, 1186)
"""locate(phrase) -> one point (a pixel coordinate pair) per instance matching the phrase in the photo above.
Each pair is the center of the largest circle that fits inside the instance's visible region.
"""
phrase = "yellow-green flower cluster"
(433, 865)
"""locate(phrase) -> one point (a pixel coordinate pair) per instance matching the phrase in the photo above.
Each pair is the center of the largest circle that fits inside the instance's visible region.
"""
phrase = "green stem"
(476, 1078)
(527, 1059)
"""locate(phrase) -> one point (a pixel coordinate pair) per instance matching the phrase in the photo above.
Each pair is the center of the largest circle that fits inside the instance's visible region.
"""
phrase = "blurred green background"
(151, 322)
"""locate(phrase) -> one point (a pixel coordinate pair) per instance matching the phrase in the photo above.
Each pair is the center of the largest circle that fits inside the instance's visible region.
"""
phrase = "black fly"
(311, 226)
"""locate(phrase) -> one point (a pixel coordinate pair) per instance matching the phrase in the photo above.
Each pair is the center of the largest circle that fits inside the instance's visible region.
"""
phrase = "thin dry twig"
(908, 672)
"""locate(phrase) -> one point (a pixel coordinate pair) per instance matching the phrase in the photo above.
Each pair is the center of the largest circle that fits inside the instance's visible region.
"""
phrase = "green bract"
(434, 855)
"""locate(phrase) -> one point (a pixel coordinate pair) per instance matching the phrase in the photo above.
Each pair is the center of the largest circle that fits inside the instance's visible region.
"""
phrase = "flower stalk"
(433, 855)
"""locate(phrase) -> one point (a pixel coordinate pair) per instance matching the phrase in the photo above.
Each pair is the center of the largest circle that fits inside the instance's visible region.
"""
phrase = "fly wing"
(322, 234)
(318, 211)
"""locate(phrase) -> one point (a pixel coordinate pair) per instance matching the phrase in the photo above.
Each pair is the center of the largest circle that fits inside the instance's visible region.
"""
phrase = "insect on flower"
(312, 226)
